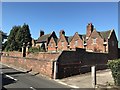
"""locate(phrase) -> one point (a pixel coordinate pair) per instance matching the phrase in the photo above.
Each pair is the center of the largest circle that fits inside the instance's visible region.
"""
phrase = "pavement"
(83, 80)
(103, 78)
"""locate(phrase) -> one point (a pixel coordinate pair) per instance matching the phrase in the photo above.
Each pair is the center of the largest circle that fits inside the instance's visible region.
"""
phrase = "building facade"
(92, 41)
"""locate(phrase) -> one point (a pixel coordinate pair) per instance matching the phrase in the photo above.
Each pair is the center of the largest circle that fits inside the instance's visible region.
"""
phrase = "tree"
(18, 35)
(2, 37)
(11, 41)
(23, 36)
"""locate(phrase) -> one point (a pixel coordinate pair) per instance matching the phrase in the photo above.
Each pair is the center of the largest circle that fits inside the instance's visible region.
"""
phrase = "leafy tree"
(4, 45)
(11, 42)
(18, 35)
(23, 36)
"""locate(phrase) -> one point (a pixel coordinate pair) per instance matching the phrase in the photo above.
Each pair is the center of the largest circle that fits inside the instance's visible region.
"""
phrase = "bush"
(114, 65)
(34, 50)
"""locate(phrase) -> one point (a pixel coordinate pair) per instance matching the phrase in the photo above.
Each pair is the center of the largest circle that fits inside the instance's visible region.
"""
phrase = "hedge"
(114, 65)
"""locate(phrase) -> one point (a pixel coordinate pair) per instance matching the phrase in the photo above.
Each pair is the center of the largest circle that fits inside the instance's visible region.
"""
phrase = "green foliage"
(18, 35)
(23, 36)
(34, 50)
(2, 35)
(114, 65)
(11, 42)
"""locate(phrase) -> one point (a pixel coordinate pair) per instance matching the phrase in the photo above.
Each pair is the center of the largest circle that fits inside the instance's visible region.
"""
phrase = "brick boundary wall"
(79, 61)
(40, 55)
(68, 62)
(12, 53)
(43, 67)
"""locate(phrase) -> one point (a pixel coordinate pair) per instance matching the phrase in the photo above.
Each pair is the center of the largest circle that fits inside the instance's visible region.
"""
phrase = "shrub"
(34, 50)
(114, 65)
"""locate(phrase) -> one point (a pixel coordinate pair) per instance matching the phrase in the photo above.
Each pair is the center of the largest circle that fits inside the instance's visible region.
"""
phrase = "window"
(112, 43)
(76, 43)
(94, 41)
(51, 45)
(62, 44)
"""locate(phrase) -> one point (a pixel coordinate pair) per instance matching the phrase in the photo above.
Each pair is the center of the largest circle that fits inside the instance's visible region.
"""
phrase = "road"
(12, 78)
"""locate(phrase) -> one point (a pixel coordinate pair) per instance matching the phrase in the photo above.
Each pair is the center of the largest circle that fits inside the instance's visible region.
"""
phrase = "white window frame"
(62, 44)
(76, 43)
(94, 40)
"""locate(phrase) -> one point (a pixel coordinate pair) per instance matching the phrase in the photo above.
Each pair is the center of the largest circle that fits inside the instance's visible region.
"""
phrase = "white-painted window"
(76, 43)
(62, 44)
(94, 41)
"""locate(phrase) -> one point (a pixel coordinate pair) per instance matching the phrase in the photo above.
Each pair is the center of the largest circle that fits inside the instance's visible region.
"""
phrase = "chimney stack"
(89, 30)
(62, 32)
(41, 33)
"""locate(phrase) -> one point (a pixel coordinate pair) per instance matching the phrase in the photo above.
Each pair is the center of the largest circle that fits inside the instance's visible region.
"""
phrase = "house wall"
(52, 45)
(76, 38)
(98, 47)
(113, 46)
(65, 45)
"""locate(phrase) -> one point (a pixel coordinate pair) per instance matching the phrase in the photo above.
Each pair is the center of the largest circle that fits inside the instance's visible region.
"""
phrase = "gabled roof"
(105, 34)
(84, 38)
(43, 38)
(56, 40)
(80, 36)
(68, 38)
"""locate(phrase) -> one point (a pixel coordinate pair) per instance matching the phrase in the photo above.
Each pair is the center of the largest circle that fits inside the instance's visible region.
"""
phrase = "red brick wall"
(52, 45)
(72, 62)
(78, 39)
(98, 47)
(44, 55)
(42, 66)
(13, 53)
(69, 62)
(65, 46)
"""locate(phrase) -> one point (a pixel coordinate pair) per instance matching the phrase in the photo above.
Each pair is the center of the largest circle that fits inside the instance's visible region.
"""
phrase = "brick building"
(92, 41)
(63, 41)
(44, 40)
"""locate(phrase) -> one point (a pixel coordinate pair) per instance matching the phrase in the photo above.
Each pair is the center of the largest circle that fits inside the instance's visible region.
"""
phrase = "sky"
(55, 16)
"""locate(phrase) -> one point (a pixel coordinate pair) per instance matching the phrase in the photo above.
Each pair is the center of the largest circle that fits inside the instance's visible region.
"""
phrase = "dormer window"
(94, 40)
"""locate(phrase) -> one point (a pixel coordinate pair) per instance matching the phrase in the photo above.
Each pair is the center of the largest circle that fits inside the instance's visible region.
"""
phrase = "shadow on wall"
(75, 62)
